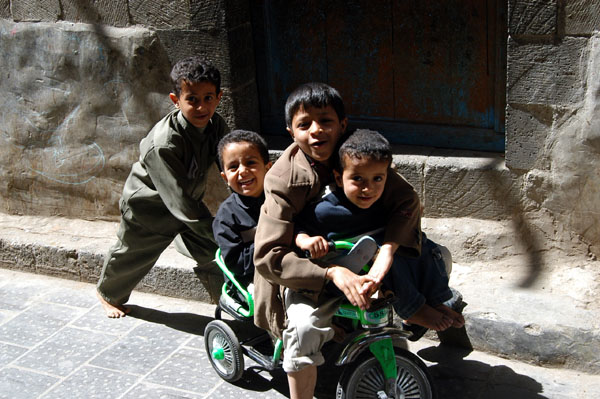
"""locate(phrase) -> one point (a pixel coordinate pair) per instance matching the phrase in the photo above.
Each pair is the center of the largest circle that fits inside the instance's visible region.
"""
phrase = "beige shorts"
(308, 328)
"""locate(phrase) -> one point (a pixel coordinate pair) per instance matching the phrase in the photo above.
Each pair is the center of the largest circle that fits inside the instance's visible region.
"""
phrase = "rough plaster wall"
(77, 100)
(575, 155)
(80, 96)
(552, 118)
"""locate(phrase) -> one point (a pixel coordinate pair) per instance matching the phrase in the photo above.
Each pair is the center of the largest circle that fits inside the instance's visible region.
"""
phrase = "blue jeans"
(418, 281)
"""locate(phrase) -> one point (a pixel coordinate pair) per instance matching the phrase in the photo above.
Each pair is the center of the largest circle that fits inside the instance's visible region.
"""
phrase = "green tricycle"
(373, 356)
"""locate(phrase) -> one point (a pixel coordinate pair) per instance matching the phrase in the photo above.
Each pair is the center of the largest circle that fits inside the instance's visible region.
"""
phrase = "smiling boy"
(244, 159)
(354, 210)
(316, 121)
(162, 197)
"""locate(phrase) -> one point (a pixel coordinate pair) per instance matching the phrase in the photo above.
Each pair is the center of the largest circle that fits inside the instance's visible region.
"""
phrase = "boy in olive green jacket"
(162, 197)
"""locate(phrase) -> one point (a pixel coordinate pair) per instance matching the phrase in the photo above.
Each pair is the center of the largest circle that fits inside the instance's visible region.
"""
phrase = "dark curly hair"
(193, 70)
(364, 143)
(243, 136)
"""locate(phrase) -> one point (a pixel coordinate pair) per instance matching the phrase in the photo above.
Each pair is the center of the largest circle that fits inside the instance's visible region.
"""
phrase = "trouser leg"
(199, 246)
(129, 260)
(416, 281)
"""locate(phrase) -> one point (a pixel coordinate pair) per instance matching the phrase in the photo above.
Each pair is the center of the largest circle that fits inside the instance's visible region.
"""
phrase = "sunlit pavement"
(56, 342)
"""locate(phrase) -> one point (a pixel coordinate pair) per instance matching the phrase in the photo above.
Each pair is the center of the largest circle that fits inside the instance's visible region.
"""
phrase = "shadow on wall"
(523, 229)
(73, 116)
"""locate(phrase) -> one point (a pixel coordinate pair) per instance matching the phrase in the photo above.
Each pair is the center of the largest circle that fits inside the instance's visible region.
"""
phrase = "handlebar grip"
(330, 248)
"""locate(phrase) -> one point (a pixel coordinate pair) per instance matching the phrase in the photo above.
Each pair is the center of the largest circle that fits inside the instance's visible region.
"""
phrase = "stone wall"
(552, 121)
(83, 81)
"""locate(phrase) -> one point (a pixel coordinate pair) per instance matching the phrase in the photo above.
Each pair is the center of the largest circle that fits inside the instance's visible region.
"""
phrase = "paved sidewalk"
(55, 342)
(529, 306)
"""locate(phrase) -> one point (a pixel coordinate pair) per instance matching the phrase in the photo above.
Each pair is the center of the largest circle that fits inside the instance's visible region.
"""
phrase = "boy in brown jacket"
(316, 120)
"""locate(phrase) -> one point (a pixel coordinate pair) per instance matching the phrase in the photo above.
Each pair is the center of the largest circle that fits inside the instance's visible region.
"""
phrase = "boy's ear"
(344, 123)
(268, 165)
(338, 178)
(219, 95)
(224, 177)
(175, 99)
(290, 132)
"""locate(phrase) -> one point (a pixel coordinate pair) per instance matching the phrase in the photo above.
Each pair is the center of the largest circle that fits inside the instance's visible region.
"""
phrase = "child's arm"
(274, 256)
(166, 164)
(351, 285)
(403, 228)
(235, 251)
(316, 245)
(380, 267)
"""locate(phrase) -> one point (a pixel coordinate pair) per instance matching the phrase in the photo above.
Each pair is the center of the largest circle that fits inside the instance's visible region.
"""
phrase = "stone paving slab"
(72, 350)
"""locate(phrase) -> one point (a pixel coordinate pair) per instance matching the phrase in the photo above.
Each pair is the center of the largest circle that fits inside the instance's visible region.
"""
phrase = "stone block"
(411, 168)
(5, 9)
(211, 44)
(547, 74)
(571, 348)
(210, 14)
(242, 102)
(241, 56)
(162, 14)
(73, 116)
(537, 17)
(479, 187)
(236, 13)
(216, 190)
(35, 10)
(582, 17)
(527, 128)
(106, 12)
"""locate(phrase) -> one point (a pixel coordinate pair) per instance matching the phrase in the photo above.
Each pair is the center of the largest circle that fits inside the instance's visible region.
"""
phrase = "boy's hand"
(350, 284)
(317, 246)
(369, 288)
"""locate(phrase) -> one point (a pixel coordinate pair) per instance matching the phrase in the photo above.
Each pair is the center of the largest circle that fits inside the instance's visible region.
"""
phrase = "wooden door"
(420, 72)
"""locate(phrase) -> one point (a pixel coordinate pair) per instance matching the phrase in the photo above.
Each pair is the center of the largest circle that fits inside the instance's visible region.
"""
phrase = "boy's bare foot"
(112, 311)
(431, 318)
(457, 319)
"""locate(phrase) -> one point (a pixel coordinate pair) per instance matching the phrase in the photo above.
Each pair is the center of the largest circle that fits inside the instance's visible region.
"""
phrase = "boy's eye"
(357, 178)
(208, 99)
(378, 178)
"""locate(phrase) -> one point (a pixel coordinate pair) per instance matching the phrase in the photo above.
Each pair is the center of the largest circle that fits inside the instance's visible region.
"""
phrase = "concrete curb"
(502, 317)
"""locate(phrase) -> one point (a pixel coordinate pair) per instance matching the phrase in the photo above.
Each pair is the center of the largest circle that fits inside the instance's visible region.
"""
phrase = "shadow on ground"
(457, 377)
(186, 322)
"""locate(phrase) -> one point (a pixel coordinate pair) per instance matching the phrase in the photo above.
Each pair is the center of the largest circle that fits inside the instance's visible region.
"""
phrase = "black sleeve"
(236, 254)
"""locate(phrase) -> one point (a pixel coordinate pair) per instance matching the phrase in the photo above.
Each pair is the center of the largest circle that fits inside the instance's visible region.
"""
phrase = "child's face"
(197, 102)
(317, 131)
(362, 180)
(244, 169)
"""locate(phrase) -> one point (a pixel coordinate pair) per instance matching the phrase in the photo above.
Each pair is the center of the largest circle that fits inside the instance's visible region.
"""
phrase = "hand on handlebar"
(314, 247)
(351, 285)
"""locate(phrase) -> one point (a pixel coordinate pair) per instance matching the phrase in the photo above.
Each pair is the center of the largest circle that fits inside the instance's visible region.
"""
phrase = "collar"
(246, 202)
(324, 172)
(188, 126)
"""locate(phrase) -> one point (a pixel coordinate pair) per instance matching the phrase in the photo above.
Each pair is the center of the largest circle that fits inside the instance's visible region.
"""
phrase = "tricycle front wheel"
(224, 350)
(364, 378)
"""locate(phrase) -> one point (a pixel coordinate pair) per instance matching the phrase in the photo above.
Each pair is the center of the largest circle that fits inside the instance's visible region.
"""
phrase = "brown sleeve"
(274, 257)
(404, 224)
